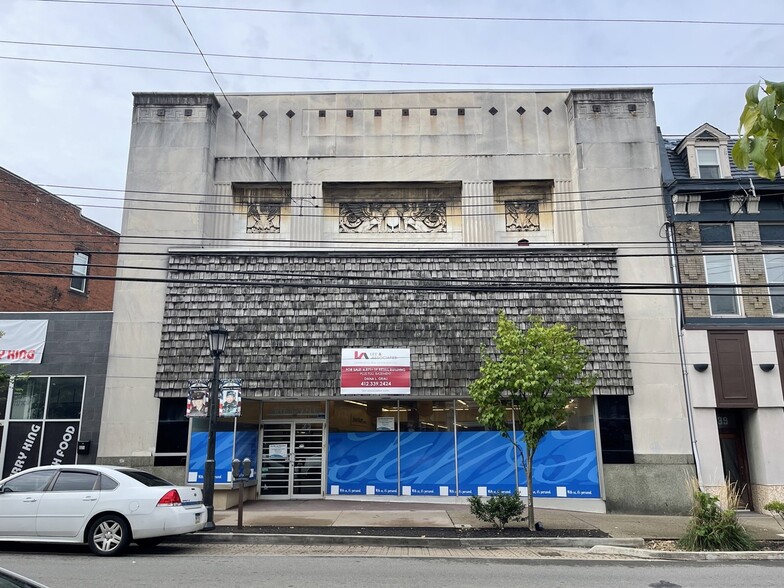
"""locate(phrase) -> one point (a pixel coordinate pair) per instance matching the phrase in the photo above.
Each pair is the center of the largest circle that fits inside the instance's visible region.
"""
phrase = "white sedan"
(103, 506)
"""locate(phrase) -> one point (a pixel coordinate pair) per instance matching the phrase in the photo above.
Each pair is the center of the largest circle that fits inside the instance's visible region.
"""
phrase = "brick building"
(727, 229)
(41, 233)
(56, 323)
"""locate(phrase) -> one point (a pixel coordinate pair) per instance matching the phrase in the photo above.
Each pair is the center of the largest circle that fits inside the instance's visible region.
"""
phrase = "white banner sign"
(22, 341)
(375, 371)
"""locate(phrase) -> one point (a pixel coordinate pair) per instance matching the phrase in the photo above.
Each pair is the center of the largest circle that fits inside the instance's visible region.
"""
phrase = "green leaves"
(537, 372)
(752, 94)
(761, 131)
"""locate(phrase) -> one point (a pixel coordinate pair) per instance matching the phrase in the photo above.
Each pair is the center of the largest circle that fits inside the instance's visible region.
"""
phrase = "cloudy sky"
(68, 67)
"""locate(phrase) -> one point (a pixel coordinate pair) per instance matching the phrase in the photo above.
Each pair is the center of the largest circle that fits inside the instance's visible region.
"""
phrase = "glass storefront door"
(292, 457)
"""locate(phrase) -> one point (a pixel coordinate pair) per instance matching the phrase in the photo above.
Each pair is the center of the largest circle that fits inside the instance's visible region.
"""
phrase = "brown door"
(733, 454)
(733, 376)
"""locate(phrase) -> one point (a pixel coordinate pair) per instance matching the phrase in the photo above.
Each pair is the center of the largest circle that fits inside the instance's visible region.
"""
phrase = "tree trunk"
(529, 460)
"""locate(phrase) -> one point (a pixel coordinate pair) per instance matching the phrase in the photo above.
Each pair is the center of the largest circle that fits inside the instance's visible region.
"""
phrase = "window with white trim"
(718, 248)
(79, 272)
(720, 269)
(708, 163)
(774, 269)
(772, 239)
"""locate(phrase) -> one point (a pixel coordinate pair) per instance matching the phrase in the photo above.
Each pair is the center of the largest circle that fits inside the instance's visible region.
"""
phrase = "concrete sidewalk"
(349, 513)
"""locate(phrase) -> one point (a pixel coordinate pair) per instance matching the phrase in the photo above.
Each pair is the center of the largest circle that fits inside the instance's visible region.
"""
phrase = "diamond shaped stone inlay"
(547, 110)
(521, 111)
(493, 110)
(263, 114)
(290, 114)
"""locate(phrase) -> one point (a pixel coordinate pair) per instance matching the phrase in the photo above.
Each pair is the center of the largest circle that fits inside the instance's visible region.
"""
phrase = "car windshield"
(146, 478)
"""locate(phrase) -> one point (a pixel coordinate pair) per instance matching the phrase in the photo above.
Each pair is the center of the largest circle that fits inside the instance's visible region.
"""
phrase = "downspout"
(681, 346)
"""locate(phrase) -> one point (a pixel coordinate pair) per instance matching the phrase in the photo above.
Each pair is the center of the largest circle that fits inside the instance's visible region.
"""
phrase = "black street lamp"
(217, 335)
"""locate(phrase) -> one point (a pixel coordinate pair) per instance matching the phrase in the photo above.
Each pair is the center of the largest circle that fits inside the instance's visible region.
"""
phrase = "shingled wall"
(286, 339)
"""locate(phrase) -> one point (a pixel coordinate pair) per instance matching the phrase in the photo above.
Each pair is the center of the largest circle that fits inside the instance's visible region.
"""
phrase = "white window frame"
(700, 164)
(713, 254)
(81, 261)
(779, 291)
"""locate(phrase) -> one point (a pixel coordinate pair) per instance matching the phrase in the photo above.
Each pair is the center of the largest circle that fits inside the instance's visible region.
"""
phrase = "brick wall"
(39, 233)
(750, 264)
(691, 269)
(751, 269)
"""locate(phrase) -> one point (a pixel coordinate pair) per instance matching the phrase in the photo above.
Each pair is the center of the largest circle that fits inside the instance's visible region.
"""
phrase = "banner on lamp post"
(230, 398)
(375, 371)
(198, 398)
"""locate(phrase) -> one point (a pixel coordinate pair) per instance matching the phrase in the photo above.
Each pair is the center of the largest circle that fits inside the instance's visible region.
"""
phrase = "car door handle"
(30, 499)
(90, 498)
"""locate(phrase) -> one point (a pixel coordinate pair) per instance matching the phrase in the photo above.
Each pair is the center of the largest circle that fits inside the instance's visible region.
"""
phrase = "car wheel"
(108, 535)
(149, 541)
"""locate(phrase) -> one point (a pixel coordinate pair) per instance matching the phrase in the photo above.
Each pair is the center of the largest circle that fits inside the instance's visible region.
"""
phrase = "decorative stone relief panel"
(398, 217)
(522, 216)
(262, 205)
(263, 218)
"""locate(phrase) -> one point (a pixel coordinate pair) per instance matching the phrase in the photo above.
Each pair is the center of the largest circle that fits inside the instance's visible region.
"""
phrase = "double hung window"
(79, 272)
(708, 163)
(772, 238)
(719, 259)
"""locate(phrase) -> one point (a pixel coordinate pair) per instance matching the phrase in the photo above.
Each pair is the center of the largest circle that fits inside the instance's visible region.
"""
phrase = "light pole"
(217, 335)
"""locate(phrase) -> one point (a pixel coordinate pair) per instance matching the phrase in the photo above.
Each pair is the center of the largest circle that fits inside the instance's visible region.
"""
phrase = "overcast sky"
(65, 124)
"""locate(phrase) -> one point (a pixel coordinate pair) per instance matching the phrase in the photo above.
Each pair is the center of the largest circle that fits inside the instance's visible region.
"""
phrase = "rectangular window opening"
(720, 269)
(774, 270)
(79, 272)
(708, 163)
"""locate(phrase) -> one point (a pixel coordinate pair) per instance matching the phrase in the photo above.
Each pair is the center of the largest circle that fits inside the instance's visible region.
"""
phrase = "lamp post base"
(209, 525)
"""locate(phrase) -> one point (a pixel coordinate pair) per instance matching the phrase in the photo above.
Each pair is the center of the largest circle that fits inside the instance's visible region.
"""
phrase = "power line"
(390, 63)
(657, 187)
(217, 83)
(375, 80)
(430, 17)
(471, 286)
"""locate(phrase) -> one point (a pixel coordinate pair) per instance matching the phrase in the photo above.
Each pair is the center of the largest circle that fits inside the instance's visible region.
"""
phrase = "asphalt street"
(345, 566)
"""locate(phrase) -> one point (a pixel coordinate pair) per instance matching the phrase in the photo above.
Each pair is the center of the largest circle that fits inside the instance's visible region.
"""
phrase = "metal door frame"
(292, 431)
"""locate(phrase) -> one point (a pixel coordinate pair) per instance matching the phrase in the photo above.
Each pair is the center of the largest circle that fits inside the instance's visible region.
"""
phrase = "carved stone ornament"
(522, 216)
(400, 217)
(263, 218)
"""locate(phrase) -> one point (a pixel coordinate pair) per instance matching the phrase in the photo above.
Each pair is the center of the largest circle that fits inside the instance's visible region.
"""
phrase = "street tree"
(761, 130)
(536, 373)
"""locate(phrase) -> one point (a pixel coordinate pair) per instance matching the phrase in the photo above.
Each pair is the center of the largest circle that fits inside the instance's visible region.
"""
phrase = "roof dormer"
(706, 153)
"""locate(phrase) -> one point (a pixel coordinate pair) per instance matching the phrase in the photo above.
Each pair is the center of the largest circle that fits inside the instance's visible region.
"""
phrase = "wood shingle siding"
(289, 322)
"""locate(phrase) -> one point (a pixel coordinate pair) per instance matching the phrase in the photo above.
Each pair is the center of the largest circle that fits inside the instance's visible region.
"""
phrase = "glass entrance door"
(292, 460)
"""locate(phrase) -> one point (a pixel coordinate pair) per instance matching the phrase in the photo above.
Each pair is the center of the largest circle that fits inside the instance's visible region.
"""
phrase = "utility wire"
(423, 83)
(511, 19)
(32, 186)
(217, 83)
(464, 280)
(389, 63)
(662, 289)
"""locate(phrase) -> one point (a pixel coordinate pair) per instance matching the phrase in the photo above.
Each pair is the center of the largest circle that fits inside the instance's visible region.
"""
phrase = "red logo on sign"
(360, 355)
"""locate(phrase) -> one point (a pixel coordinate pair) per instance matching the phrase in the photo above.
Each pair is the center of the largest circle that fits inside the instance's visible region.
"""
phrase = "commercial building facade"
(323, 229)
(55, 319)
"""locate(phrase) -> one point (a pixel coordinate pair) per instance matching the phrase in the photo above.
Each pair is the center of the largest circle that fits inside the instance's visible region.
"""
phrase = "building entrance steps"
(349, 513)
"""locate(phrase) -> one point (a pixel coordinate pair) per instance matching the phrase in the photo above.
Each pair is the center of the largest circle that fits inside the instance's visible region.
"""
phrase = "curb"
(688, 555)
(391, 541)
